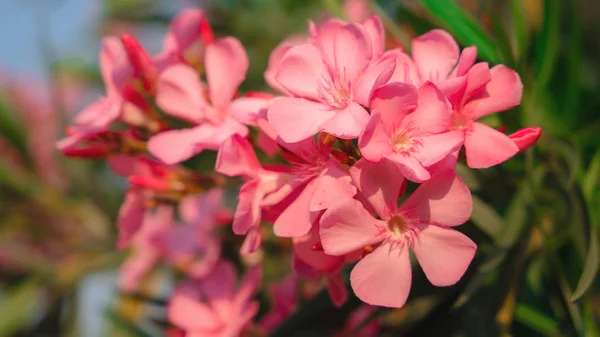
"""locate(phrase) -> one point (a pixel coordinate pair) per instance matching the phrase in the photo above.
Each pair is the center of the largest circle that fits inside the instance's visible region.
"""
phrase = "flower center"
(460, 122)
(397, 226)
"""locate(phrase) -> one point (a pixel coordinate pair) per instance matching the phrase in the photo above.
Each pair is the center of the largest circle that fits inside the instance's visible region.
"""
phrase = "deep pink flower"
(182, 95)
(284, 298)
(317, 182)
(410, 128)
(422, 222)
(213, 306)
(526, 137)
(330, 81)
(236, 158)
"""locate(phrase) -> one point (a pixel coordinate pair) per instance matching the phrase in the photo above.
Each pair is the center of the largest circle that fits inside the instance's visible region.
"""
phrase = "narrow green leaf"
(520, 29)
(485, 217)
(11, 130)
(536, 320)
(592, 177)
(463, 26)
(590, 268)
(548, 45)
(16, 306)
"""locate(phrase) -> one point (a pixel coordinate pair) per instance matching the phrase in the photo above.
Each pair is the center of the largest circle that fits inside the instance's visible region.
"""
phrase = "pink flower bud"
(525, 137)
(141, 62)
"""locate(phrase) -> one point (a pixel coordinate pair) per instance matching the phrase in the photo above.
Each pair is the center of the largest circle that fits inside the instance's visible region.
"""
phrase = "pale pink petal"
(246, 110)
(210, 252)
(252, 241)
(466, 61)
(347, 123)
(218, 286)
(226, 65)
(180, 93)
(247, 213)
(188, 313)
(267, 144)
(236, 158)
(114, 65)
(410, 167)
(447, 163)
(504, 91)
(125, 165)
(333, 185)
(131, 216)
(348, 226)
(175, 146)
(374, 29)
(435, 147)
(436, 54)
(296, 119)
(336, 289)
(99, 115)
(406, 70)
(433, 114)
(444, 254)
(249, 285)
(301, 71)
(135, 268)
(316, 259)
(295, 220)
(198, 208)
(373, 77)
(374, 141)
(477, 78)
(487, 147)
(526, 137)
(394, 101)
(274, 60)
(215, 135)
(324, 39)
(383, 277)
(353, 52)
(443, 200)
(379, 183)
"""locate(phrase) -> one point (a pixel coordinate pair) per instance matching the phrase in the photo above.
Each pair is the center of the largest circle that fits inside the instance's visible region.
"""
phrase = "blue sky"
(72, 25)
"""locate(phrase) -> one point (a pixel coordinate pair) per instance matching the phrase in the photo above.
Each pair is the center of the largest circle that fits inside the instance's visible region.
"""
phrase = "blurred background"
(536, 218)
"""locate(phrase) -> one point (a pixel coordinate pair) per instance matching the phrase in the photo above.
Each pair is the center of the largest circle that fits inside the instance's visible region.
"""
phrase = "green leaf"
(464, 27)
(485, 217)
(590, 180)
(548, 45)
(17, 305)
(520, 28)
(590, 269)
(12, 130)
(536, 320)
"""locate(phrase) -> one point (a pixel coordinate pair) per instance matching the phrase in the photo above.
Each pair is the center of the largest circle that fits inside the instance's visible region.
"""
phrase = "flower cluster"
(350, 126)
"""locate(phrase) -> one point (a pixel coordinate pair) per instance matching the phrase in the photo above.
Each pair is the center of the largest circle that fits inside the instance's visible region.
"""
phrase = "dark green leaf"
(590, 269)
(536, 320)
(485, 217)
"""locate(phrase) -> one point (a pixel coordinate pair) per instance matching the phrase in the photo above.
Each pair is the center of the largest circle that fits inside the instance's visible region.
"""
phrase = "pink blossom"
(317, 182)
(526, 137)
(356, 10)
(409, 127)
(189, 34)
(236, 158)
(422, 222)
(213, 306)
(182, 94)
(330, 81)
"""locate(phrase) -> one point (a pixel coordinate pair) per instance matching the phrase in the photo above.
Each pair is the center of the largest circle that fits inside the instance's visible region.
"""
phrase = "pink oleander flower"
(213, 306)
(330, 80)
(356, 10)
(318, 181)
(410, 128)
(383, 277)
(236, 158)
(189, 34)
(284, 299)
(216, 117)
(474, 91)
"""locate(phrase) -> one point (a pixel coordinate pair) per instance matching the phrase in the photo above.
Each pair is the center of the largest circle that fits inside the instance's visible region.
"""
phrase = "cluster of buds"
(349, 124)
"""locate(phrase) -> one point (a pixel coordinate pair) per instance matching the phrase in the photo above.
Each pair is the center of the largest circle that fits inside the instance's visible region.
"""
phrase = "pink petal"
(180, 93)
(135, 268)
(443, 200)
(353, 52)
(379, 183)
(487, 147)
(186, 312)
(433, 114)
(394, 101)
(114, 65)
(347, 123)
(199, 208)
(374, 141)
(526, 137)
(226, 65)
(316, 259)
(477, 78)
(447, 163)
(444, 254)
(247, 213)
(466, 61)
(301, 71)
(436, 54)
(210, 252)
(336, 289)
(99, 115)
(252, 241)
(175, 146)
(435, 147)
(333, 185)
(236, 158)
(249, 285)
(296, 119)
(127, 165)
(131, 216)
(184, 29)
(218, 286)
(374, 29)
(373, 77)
(274, 60)
(410, 167)
(504, 91)
(324, 39)
(295, 220)
(347, 226)
(215, 135)
(246, 110)
(383, 277)
(406, 70)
